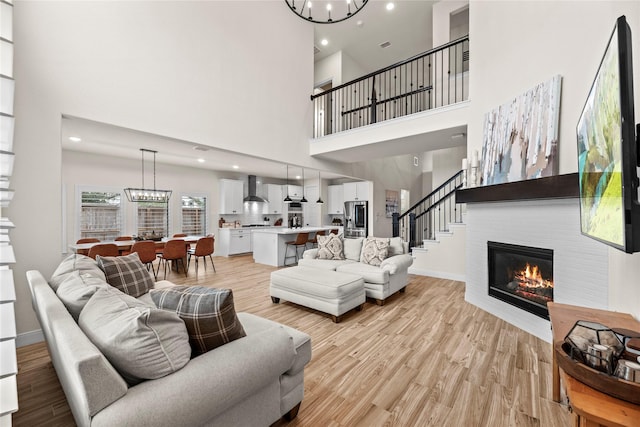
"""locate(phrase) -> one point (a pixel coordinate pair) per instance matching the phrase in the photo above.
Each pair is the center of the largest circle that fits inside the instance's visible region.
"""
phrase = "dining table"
(123, 245)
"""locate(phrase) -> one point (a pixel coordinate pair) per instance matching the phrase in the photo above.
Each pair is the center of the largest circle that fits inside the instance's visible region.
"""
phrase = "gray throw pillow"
(127, 274)
(330, 247)
(140, 342)
(76, 290)
(374, 250)
(208, 313)
(72, 263)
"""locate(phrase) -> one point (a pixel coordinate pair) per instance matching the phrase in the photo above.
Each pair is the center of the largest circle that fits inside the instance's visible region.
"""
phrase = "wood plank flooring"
(425, 358)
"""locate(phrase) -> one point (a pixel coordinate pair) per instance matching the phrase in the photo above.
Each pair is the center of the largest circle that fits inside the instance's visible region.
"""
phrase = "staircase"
(444, 255)
(435, 230)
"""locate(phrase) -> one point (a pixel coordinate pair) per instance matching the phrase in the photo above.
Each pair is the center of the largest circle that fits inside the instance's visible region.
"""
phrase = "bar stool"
(301, 240)
(314, 240)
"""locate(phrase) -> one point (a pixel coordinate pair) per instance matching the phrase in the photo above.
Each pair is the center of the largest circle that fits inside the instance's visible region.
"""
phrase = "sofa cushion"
(76, 290)
(127, 274)
(208, 313)
(330, 247)
(374, 250)
(139, 341)
(370, 273)
(352, 248)
(396, 246)
(326, 264)
(72, 263)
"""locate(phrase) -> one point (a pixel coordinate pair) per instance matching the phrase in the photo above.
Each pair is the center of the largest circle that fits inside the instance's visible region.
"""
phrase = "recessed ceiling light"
(359, 24)
(75, 138)
(324, 42)
(298, 177)
(200, 160)
(235, 167)
(390, 6)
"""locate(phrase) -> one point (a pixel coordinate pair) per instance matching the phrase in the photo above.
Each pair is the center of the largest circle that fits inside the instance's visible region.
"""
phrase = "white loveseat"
(379, 281)
(251, 381)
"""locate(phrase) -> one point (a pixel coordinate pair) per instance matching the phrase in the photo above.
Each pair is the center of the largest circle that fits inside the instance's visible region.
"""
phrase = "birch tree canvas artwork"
(520, 138)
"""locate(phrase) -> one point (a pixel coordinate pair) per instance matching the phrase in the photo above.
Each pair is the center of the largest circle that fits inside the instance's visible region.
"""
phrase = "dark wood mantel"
(552, 187)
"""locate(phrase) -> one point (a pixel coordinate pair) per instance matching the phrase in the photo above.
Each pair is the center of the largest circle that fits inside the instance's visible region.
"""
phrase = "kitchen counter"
(269, 244)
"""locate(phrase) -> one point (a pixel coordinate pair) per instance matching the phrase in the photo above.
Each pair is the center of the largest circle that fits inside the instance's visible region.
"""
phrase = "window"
(152, 220)
(100, 215)
(194, 215)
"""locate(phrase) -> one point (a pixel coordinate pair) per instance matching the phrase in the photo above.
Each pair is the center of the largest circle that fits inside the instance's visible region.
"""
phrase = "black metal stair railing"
(429, 80)
(431, 214)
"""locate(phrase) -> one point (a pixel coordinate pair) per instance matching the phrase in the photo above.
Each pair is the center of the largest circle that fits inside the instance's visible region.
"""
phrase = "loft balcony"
(431, 88)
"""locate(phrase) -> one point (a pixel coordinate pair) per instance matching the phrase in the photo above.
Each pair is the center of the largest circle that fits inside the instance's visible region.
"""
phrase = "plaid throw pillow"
(330, 247)
(208, 313)
(374, 250)
(126, 273)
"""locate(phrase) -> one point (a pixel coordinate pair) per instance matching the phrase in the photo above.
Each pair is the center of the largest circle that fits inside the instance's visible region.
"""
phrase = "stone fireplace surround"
(580, 263)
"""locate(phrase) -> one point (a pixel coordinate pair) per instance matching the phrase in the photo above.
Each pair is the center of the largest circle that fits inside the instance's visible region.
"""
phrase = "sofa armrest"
(310, 254)
(208, 385)
(396, 263)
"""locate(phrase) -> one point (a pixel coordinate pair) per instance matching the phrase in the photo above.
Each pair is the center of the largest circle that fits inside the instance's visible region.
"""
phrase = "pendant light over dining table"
(145, 194)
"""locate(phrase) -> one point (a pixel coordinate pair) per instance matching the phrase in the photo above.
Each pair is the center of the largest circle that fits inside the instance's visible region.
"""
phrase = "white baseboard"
(438, 274)
(29, 338)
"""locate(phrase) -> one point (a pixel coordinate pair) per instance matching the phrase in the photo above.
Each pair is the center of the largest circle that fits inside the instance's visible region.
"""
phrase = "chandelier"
(326, 12)
(146, 194)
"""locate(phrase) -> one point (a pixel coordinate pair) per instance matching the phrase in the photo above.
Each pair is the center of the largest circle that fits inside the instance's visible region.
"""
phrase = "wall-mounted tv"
(608, 150)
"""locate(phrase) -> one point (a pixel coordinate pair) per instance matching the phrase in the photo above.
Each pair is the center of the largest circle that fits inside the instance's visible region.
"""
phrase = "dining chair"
(314, 240)
(146, 250)
(123, 238)
(178, 235)
(301, 240)
(174, 250)
(334, 231)
(87, 240)
(204, 248)
(104, 249)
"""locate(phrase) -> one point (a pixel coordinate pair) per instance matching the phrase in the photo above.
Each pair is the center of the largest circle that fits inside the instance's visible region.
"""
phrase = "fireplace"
(521, 276)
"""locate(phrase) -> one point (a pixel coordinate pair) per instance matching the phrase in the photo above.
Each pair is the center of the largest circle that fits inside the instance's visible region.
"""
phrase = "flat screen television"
(608, 150)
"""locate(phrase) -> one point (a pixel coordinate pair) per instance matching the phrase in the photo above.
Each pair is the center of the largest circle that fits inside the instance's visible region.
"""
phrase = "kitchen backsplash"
(252, 218)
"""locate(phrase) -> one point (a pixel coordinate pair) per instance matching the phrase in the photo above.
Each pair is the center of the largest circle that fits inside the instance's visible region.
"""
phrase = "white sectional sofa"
(251, 381)
(379, 281)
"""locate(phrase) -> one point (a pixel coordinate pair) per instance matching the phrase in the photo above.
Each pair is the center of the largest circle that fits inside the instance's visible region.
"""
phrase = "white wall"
(351, 69)
(441, 14)
(446, 163)
(517, 45)
(391, 173)
(205, 72)
(328, 69)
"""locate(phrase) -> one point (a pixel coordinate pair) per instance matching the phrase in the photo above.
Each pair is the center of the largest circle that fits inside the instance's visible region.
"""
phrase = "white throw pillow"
(72, 263)
(352, 248)
(395, 246)
(140, 342)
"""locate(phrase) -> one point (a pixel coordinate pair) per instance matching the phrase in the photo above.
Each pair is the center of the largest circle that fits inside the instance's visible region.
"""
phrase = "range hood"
(252, 191)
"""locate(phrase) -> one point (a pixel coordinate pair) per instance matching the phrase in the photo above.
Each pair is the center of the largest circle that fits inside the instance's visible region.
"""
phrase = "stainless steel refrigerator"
(356, 219)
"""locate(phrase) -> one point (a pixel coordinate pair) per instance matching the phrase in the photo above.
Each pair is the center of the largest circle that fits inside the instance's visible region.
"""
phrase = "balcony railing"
(432, 79)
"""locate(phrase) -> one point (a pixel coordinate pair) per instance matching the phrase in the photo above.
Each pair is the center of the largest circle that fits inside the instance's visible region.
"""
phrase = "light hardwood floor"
(425, 358)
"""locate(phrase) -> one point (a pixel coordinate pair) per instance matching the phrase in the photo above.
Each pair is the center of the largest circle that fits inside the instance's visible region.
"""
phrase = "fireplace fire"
(521, 276)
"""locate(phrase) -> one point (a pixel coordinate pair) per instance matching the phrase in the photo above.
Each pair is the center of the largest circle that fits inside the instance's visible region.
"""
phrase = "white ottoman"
(328, 291)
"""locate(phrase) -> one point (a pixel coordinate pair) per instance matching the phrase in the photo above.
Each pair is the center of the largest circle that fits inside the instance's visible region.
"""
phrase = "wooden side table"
(590, 407)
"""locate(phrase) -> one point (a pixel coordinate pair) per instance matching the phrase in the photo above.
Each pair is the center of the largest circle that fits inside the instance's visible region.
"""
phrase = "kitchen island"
(269, 244)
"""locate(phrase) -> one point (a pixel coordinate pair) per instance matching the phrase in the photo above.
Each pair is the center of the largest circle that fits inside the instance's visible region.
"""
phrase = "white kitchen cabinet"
(275, 197)
(356, 191)
(335, 202)
(231, 195)
(233, 241)
(294, 191)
